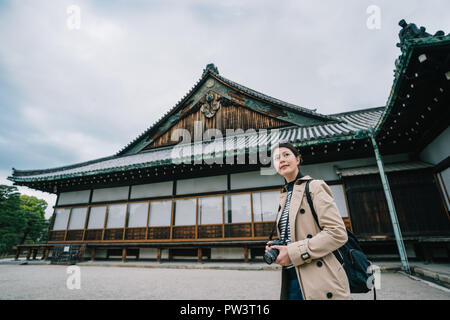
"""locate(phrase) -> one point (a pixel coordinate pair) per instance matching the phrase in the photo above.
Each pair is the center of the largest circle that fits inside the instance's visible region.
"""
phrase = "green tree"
(22, 219)
(35, 224)
(10, 218)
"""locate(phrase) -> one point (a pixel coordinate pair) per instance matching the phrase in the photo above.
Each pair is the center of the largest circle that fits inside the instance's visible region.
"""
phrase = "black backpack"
(351, 256)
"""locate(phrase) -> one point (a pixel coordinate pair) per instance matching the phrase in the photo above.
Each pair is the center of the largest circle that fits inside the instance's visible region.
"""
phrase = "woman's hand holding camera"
(283, 258)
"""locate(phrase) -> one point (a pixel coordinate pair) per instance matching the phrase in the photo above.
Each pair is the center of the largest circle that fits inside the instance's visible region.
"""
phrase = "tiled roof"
(350, 123)
(401, 65)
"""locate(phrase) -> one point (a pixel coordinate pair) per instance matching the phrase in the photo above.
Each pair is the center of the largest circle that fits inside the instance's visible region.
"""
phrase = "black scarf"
(299, 176)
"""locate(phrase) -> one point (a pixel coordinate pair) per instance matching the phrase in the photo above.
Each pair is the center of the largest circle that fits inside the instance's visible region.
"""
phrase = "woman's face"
(285, 162)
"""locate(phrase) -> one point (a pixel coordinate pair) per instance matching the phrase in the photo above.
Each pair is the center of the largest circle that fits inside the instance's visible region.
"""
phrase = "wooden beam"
(199, 255)
(93, 254)
(81, 252)
(28, 253)
(46, 253)
(246, 254)
(35, 251)
(124, 254)
(158, 255)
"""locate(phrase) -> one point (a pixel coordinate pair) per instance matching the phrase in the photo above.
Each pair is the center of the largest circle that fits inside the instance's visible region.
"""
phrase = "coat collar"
(300, 179)
(282, 196)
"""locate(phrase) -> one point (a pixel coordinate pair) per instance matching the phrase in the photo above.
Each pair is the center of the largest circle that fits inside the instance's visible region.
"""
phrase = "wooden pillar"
(82, 252)
(46, 253)
(158, 255)
(28, 253)
(246, 254)
(17, 253)
(35, 251)
(124, 254)
(427, 252)
(199, 255)
(93, 254)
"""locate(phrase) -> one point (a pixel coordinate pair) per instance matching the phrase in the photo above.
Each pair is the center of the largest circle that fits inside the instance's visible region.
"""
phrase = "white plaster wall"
(254, 178)
(203, 184)
(326, 171)
(152, 190)
(110, 194)
(227, 253)
(99, 253)
(438, 149)
(73, 197)
(152, 253)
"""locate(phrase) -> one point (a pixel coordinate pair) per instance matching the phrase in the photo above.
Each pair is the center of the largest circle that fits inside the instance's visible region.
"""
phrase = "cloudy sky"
(76, 87)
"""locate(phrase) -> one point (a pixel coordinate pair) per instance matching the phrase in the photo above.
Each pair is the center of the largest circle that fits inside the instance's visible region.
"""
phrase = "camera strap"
(274, 226)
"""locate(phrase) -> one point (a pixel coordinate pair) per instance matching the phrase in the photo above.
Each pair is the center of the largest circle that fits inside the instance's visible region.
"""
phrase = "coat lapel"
(296, 201)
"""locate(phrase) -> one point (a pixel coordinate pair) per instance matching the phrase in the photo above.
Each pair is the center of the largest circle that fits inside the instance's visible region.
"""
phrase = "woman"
(310, 269)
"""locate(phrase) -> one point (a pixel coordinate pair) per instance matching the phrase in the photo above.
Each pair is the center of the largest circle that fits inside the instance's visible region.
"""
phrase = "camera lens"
(271, 256)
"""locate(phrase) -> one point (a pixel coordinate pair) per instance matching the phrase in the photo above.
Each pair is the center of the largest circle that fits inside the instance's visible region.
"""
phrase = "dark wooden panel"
(416, 199)
(227, 117)
(74, 235)
(114, 234)
(183, 252)
(263, 229)
(210, 231)
(57, 235)
(118, 252)
(238, 230)
(135, 233)
(183, 232)
(159, 233)
(93, 234)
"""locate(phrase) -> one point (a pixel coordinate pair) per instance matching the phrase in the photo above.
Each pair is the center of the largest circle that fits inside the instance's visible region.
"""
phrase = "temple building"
(199, 181)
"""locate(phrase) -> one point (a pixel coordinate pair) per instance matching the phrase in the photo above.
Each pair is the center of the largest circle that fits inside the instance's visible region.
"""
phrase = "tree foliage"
(22, 219)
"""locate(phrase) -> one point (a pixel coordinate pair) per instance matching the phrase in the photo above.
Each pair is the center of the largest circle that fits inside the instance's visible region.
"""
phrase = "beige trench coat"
(321, 275)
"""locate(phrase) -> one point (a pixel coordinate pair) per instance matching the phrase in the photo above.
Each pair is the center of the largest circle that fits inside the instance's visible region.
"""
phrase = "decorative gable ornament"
(211, 105)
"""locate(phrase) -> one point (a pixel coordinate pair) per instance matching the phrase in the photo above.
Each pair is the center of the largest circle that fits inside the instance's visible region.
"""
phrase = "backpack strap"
(311, 205)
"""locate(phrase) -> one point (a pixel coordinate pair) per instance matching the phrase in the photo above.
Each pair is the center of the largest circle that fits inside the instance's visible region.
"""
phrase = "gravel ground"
(49, 282)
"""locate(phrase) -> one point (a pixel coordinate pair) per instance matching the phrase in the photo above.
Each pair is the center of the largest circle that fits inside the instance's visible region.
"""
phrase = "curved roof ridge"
(211, 69)
(260, 95)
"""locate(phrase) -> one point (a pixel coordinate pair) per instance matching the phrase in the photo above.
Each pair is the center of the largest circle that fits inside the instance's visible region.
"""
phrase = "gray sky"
(71, 95)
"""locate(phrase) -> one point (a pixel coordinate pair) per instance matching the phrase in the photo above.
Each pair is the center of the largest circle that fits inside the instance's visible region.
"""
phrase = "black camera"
(271, 255)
